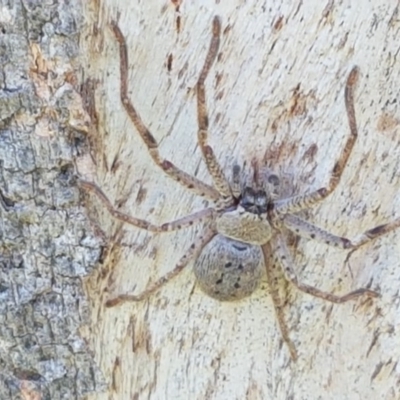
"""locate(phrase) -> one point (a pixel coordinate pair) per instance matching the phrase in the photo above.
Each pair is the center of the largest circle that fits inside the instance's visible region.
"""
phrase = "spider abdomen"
(229, 270)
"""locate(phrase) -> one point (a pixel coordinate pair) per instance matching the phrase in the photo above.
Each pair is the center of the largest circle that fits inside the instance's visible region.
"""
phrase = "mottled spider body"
(248, 220)
(229, 270)
(245, 227)
(231, 265)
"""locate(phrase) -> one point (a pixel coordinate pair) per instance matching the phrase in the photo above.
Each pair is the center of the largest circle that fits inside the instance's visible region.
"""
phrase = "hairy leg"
(308, 230)
(170, 169)
(192, 253)
(286, 261)
(276, 299)
(297, 203)
(180, 223)
(211, 161)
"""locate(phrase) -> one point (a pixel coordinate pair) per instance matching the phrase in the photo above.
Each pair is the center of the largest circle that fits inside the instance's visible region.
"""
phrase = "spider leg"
(297, 203)
(286, 261)
(193, 252)
(188, 220)
(373, 233)
(276, 299)
(180, 223)
(308, 230)
(211, 161)
(140, 223)
(170, 169)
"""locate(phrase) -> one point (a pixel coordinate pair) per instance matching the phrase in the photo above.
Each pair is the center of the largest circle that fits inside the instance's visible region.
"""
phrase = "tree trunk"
(47, 244)
(275, 95)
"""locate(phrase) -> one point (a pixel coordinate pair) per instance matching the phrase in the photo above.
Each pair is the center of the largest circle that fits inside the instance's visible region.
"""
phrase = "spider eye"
(248, 197)
(248, 192)
(273, 180)
(236, 169)
(245, 202)
(254, 201)
(260, 199)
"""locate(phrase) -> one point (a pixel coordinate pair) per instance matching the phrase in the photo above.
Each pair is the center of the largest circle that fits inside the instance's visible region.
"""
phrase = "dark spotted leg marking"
(192, 253)
(305, 229)
(297, 203)
(277, 301)
(170, 169)
(282, 255)
(211, 161)
(189, 220)
(372, 234)
(178, 224)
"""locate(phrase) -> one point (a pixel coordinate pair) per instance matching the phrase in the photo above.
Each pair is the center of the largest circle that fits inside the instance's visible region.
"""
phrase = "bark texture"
(276, 95)
(46, 242)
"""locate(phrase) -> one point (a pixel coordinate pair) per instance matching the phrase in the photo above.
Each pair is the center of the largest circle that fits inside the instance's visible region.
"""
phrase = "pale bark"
(276, 95)
(46, 241)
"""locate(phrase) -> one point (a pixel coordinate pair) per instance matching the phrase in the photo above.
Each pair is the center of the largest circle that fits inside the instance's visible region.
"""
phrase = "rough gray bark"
(47, 245)
(275, 94)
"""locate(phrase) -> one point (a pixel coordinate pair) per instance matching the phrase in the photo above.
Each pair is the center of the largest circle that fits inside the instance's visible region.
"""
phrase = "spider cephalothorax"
(233, 251)
(244, 226)
(254, 201)
(249, 221)
(230, 266)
